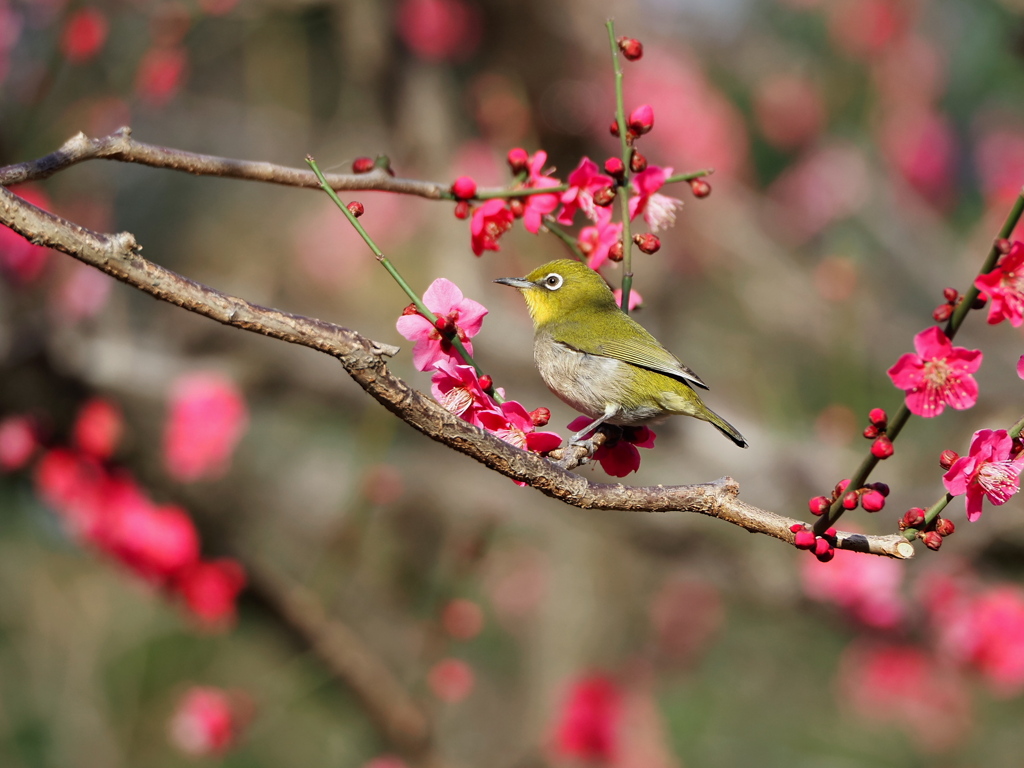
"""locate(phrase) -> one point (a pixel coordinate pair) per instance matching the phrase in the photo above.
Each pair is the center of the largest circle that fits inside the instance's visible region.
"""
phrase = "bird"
(599, 360)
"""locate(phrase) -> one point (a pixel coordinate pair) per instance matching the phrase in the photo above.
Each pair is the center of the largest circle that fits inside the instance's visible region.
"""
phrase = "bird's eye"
(553, 281)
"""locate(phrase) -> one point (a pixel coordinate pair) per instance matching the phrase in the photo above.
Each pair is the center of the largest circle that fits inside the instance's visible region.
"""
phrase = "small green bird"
(599, 360)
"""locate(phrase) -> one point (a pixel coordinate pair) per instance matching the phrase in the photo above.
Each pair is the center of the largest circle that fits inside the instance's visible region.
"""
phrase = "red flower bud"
(647, 242)
(516, 206)
(355, 208)
(613, 167)
(1002, 245)
(798, 527)
(518, 160)
(850, 500)
(540, 416)
(641, 119)
(410, 310)
(631, 48)
(1016, 447)
(931, 539)
(882, 447)
(615, 252)
(950, 294)
(818, 505)
(362, 165)
(944, 527)
(613, 129)
(804, 539)
(878, 417)
(462, 210)
(947, 457)
(700, 187)
(604, 196)
(871, 432)
(486, 382)
(829, 535)
(912, 518)
(823, 550)
(840, 488)
(882, 488)
(637, 162)
(942, 313)
(464, 188)
(872, 501)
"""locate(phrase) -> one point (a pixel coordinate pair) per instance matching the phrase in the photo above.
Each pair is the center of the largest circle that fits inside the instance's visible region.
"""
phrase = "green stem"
(526, 192)
(689, 176)
(620, 117)
(565, 237)
(386, 263)
(903, 415)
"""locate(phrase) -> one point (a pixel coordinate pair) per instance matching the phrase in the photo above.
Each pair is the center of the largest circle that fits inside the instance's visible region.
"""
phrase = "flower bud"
(950, 294)
(444, 325)
(486, 382)
(362, 165)
(942, 313)
(631, 48)
(637, 162)
(818, 505)
(1002, 245)
(840, 488)
(613, 129)
(355, 208)
(823, 550)
(878, 417)
(464, 188)
(829, 535)
(1016, 447)
(882, 488)
(641, 119)
(944, 527)
(947, 458)
(410, 310)
(516, 206)
(518, 160)
(871, 432)
(462, 210)
(613, 167)
(604, 196)
(804, 539)
(615, 252)
(882, 447)
(540, 416)
(931, 539)
(647, 242)
(872, 501)
(912, 518)
(850, 500)
(798, 527)
(700, 187)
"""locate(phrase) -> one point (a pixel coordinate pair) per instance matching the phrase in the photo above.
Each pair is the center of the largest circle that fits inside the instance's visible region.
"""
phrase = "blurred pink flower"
(206, 722)
(490, 221)
(210, 590)
(937, 374)
(451, 680)
(587, 726)
(69, 484)
(20, 260)
(618, 456)
(658, 210)
(157, 543)
(864, 28)
(386, 761)
(1004, 286)
(865, 587)
(458, 389)
(207, 418)
(462, 619)
(686, 613)
(987, 471)
(463, 316)
(584, 181)
(81, 293)
(160, 74)
(98, 428)
(903, 686)
(439, 30)
(918, 141)
(789, 110)
(18, 442)
(512, 423)
(999, 157)
(84, 34)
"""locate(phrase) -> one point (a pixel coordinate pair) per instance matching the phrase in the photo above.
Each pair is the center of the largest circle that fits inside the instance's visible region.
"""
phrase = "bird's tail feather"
(725, 428)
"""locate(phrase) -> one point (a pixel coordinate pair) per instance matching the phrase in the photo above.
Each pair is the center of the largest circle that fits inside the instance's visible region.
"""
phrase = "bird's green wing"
(646, 352)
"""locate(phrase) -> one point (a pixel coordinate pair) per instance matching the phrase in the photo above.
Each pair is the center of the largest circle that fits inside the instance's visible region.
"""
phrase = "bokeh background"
(865, 154)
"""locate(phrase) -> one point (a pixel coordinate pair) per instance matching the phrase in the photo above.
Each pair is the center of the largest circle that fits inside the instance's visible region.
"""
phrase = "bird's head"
(561, 290)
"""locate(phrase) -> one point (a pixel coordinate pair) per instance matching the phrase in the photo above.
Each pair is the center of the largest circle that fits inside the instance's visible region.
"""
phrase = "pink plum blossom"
(207, 418)
(451, 680)
(658, 210)
(98, 428)
(1004, 286)
(588, 725)
(584, 181)
(635, 299)
(18, 442)
(618, 456)
(512, 423)
(458, 388)
(536, 207)
(490, 221)
(445, 300)
(596, 241)
(987, 471)
(20, 260)
(938, 375)
(210, 590)
(206, 722)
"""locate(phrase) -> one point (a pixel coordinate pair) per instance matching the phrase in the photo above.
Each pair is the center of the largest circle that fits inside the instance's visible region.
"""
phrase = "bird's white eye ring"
(553, 281)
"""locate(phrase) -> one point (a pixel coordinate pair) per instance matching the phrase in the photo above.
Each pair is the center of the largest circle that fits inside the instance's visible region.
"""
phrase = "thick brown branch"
(118, 255)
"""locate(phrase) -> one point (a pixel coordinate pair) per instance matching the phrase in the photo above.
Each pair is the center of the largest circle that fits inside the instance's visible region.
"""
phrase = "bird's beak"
(515, 282)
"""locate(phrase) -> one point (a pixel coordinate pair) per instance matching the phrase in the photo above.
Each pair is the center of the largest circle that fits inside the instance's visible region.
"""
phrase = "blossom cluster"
(105, 508)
